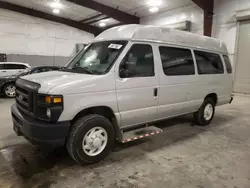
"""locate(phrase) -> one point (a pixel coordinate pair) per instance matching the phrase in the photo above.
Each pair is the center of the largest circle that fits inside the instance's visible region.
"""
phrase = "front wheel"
(9, 90)
(91, 139)
(206, 112)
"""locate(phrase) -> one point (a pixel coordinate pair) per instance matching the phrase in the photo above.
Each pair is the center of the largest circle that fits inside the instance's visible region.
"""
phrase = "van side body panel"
(132, 100)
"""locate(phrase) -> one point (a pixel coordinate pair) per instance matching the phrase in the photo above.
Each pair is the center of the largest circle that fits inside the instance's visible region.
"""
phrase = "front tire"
(91, 139)
(9, 90)
(205, 114)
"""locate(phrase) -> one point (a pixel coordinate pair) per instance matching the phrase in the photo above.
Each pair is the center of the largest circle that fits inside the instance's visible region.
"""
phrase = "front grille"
(24, 100)
(26, 93)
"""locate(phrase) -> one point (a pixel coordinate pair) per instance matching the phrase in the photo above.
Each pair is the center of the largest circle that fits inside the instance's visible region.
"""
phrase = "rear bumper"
(39, 132)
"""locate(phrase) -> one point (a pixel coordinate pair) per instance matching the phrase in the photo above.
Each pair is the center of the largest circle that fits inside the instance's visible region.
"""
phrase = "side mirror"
(128, 69)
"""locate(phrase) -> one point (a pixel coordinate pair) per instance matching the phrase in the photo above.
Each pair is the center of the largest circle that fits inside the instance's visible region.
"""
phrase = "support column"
(208, 23)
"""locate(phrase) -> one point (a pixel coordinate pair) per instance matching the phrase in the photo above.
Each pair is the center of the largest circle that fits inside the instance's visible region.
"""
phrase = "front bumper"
(39, 132)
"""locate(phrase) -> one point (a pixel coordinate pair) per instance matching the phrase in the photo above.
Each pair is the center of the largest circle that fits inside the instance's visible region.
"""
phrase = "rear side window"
(228, 64)
(208, 63)
(1, 66)
(14, 66)
(177, 61)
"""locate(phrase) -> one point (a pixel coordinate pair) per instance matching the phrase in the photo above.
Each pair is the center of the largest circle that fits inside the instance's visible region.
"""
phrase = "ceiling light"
(102, 24)
(154, 3)
(56, 11)
(154, 9)
(56, 4)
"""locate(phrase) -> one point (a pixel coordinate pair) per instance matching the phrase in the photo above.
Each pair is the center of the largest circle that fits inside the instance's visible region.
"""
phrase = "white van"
(128, 77)
(12, 68)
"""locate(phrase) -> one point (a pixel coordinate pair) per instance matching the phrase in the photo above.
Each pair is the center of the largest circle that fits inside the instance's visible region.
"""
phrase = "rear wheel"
(9, 90)
(206, 112)
(91, 139)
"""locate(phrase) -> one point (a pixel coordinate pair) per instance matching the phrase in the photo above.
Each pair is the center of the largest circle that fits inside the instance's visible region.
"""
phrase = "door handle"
(155, 92)
(3, 71)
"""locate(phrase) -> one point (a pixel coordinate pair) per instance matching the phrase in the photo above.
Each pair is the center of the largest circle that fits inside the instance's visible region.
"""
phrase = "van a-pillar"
(208, 7)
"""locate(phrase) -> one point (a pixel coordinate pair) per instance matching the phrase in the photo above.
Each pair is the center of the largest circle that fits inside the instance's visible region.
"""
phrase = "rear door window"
(228, 64)
(177, 61)
(208, 63)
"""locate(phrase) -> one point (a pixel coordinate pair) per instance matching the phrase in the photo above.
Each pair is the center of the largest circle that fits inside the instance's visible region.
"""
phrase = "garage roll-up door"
(242, 71)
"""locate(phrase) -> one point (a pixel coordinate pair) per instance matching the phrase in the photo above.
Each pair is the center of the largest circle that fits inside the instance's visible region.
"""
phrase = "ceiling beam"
(32, 12)
(92, 17)
(109, 11)
(208, 7)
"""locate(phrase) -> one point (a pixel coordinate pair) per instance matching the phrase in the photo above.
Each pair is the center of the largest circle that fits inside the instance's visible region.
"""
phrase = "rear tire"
(205, 114)
(91, 138)
(9, 90)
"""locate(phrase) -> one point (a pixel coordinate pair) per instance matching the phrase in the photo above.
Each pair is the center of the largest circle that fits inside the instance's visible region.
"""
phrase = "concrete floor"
(184, 155)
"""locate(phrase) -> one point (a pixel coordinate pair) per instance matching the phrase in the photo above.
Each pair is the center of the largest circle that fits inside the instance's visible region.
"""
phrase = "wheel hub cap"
(10, 91)
(208, 112)
(95, 141)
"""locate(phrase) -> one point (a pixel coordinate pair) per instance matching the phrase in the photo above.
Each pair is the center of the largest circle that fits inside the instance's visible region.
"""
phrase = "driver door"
(137, 89)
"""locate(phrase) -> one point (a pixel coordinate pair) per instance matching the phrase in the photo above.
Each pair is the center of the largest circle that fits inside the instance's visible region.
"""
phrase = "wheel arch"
(6, 83)
(213, 96)
(103, 111)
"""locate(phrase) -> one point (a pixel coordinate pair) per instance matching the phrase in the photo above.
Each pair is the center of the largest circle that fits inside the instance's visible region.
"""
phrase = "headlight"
(49, 107)
(48, 113)
(53, 99)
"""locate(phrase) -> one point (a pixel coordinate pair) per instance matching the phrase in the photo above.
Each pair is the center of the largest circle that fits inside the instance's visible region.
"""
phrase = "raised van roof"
(162, 34)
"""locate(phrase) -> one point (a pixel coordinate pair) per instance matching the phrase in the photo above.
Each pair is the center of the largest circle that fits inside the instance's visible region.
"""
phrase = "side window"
(46, 69)
(38, 70)
(208, 63)
(10, 66)
(139, 62)
(177, 61)
(22, 67)
(1, 66)
(228, 64)
(14, 66)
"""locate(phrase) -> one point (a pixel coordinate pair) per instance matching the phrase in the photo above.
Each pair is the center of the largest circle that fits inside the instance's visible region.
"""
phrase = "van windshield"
(97, 58)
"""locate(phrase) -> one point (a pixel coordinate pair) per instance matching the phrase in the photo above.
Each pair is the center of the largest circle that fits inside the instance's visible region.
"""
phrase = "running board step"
(140, 133)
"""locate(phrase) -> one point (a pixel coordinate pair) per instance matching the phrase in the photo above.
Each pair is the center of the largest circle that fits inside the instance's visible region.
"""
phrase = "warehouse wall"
(224, 22)
(191, 12)
(36, 41)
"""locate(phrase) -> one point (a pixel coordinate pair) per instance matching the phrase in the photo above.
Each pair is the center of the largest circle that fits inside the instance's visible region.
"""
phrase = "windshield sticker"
(115, 46)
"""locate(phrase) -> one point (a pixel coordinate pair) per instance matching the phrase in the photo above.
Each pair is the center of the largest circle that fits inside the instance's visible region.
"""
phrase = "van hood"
(61, 82)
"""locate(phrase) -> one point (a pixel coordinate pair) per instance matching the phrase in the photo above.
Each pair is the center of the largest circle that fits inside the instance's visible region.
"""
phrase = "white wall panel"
(191, 12)
(224, 22)
(21, 34)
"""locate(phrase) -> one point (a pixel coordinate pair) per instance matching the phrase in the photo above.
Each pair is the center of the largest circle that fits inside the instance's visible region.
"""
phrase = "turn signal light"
(51, 99)
(48, 99)
(57, 100)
